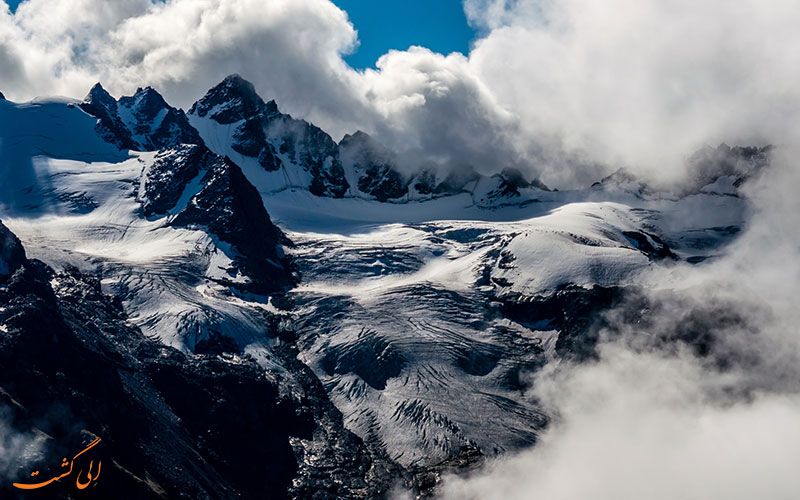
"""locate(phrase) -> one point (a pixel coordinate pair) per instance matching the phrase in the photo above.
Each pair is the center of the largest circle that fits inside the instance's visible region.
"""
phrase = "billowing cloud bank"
(569, 89)
(656, 421)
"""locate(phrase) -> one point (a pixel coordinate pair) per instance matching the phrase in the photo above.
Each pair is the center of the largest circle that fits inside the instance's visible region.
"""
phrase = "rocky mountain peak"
(100, 104)
(142, 122)
(517, 179)
(708, 165)
(217, 197)
(232, 100)
(271, 108)
(356, 137)
(99, 96)
(624, 180)
(145, 103)
(514, 177)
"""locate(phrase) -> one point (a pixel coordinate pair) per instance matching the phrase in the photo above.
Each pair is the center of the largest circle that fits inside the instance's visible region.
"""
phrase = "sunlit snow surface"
(396, 315)
(72, 208)
(396, 309)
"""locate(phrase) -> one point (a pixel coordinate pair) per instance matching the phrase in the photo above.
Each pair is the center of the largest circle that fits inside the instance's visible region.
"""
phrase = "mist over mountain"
(565, 91)
(562, 265)
(169, 218)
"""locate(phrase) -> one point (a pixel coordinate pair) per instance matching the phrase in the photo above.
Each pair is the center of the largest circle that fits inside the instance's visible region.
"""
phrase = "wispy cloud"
(651, 419)
(569, 89)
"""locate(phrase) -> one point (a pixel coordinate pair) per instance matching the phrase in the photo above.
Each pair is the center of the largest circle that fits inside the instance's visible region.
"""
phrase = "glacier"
(417, 303)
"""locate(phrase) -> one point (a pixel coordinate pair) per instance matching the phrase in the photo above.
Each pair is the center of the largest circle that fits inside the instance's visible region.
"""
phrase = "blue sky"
(439, 25)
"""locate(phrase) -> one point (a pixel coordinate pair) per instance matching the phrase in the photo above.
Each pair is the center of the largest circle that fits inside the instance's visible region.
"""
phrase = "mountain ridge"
(397, 318)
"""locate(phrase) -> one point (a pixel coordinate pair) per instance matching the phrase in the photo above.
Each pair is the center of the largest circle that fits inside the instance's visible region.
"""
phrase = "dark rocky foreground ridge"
(211, 425)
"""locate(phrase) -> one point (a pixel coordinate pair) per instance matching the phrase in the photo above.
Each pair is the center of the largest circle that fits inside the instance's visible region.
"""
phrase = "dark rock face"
(168, 177)
(375, 167)
(145, 104)
(2, 97)
(268, 135)
(12, 254)
(233, 100)
(425, 182)
(456, 180)
(231, 208)
(709, 164)
(584, 316)
(172, 425)
(250, 140)
(156, 124)
(465, 179)
(142, 122)
(382, 182)
(577, 312)
(514, 180)
(508, 184)
(224, 203)
(311, 146)
(650, 245)
(110, 126)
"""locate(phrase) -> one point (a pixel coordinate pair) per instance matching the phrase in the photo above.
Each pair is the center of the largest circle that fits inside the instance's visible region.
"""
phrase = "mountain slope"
(142, 398)
(143, 121)
(387, 321)
(278, 152)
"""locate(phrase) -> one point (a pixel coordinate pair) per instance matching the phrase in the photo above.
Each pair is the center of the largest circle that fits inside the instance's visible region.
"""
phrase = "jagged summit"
(357, 136)
(234, 99)
(240, 124)
(374, 167)
(143, 121)
(304, 154)
(100, 104)
(509, 183)
(719, 170)
(98, 95)
(2, 97)
(146, 101)
(724, 164)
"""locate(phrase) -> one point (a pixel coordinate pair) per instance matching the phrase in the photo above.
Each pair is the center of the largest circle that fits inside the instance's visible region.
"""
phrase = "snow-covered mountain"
(380, 322)
(280, 152)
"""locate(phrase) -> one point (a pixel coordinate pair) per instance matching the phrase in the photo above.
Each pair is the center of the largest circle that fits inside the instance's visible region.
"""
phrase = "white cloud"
(16, 448)
(645, 83)
(557, 86)
(648, 422)
(290, 48)
(453, 116)
(560, 86)
(641, 426)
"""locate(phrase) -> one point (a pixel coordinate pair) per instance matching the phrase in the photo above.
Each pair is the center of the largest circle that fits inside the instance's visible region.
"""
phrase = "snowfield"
(397, 311)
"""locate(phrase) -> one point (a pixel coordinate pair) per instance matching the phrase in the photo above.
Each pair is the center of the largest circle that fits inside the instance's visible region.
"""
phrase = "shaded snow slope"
(72, 199)
(401, 311)
(421, 317)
